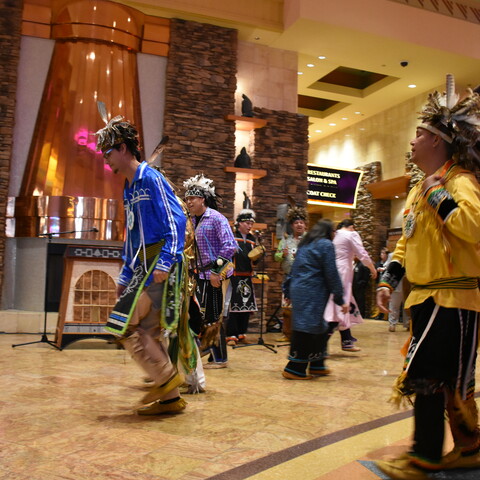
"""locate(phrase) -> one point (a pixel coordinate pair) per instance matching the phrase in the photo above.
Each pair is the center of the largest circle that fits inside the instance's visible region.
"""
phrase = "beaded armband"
(441, 201)
(391, 276)
(221, 266)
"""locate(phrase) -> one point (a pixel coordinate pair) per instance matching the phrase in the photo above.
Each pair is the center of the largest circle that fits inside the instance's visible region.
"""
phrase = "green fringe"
(182, 346)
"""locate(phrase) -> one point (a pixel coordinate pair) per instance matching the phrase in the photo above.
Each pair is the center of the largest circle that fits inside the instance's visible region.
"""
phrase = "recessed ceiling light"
(322, 57)
(318, 131)
(362, 129)
(344, 118)
(333, 124)
(358, 113)
(310, 65)
(396, 196)
(300, 73)
(412, 85)
(257, 38)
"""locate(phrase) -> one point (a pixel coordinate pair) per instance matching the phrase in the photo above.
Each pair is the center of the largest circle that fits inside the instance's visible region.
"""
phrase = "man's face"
(112, 159)
(195, 205)
(245, 227)
(422, 147)
(299, 227)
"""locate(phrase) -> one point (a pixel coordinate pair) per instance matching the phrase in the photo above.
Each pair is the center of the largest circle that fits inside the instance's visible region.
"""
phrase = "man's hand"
(383, 299)
(431, 181)
(345, 308)
(215, 280)
(159, 276)
(120, 290)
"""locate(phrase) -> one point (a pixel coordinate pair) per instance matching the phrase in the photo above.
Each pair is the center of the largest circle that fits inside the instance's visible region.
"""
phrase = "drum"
(255, 253)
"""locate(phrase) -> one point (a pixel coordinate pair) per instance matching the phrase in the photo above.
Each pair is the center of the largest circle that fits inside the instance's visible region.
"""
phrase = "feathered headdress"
(455, 121)
(201, 186)
(116, 131)
(246, 215)
(157, 152)
(296, 213)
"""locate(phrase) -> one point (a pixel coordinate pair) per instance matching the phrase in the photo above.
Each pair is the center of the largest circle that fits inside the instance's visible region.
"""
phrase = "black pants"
(441, 360)
(237, 323)
(306, 349)
(211, 298)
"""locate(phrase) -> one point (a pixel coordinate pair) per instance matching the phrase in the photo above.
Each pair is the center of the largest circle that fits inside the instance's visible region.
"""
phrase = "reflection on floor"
(68, 415)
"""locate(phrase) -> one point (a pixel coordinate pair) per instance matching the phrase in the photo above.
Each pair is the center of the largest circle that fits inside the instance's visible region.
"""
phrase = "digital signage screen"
(332, 186)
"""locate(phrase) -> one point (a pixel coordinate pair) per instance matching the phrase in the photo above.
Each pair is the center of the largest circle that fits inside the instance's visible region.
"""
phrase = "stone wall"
(372, 220)
(200, 92)
(10, 28)
(281, 148)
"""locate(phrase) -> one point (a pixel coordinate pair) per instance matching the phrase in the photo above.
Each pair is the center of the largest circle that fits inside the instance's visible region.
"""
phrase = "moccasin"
(320, 372)
(157, 392)
(401, 469)
(455, 459)
(292, 376)
(159, 408)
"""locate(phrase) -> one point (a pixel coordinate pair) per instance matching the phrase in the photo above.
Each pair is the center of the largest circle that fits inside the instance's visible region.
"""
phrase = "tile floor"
(68, 415)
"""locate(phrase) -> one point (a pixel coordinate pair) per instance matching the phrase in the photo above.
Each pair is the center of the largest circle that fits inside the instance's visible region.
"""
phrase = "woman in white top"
(348, 245)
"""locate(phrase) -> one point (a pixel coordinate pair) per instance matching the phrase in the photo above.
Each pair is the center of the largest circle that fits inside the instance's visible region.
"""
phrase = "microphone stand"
(44, 338)
(260, 340)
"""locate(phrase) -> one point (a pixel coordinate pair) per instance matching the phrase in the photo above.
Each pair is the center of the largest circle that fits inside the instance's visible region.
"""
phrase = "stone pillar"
(372, 221)
(281, 148)
(10, 28)
(200, 92)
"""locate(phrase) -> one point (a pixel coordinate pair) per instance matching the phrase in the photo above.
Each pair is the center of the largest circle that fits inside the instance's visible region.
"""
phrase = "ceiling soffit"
(464, 10)
(249, 14)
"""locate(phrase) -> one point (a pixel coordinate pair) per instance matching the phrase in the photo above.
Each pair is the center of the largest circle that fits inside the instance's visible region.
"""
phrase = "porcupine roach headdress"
(201, 186)
(455, 121)
(116, 131)
(296, 213)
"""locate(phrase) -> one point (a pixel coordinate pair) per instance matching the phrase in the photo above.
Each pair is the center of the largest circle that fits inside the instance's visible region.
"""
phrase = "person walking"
(314, 270)
(348, 245)
(439, 251)
(152, 254)
(215, 246)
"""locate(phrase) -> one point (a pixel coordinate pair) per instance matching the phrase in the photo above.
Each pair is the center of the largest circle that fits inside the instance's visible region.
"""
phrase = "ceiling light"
(322, 57)
(396, 196)
(358, 113)
(300, 73)
(310, 65)
(257, 38)
(318, 131)
(412, 85)
(344, 118)
(362, 129)
(333, 124)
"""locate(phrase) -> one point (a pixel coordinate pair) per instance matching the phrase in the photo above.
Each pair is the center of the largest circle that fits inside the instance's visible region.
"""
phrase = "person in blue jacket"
(313, 278)
(155, 237)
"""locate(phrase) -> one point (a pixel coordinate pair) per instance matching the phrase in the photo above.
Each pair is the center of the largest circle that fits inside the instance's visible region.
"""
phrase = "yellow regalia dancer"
(150, 281)
(440, 253)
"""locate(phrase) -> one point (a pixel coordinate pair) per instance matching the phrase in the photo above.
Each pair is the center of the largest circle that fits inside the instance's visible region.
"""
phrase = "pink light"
(82, 139)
